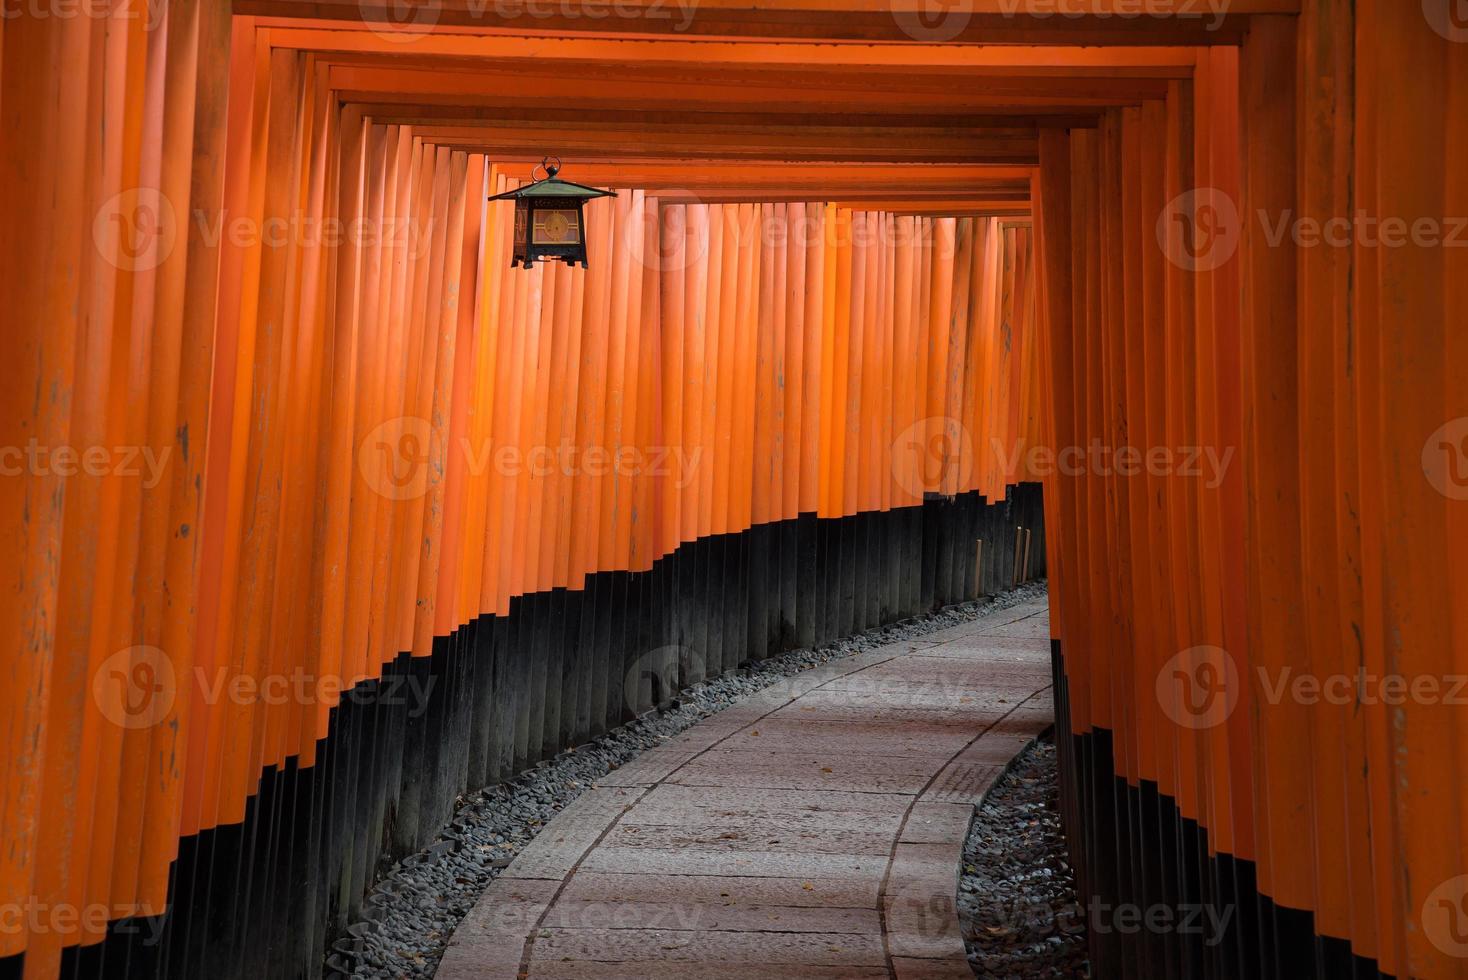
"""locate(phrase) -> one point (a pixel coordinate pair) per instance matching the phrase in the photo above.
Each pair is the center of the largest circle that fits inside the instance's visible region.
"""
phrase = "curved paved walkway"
(813, 830)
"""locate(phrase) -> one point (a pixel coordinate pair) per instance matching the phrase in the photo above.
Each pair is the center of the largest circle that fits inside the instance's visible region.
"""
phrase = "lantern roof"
(554, 187)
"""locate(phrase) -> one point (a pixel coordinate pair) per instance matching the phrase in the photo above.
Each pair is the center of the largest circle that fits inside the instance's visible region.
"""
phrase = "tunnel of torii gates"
(882, 299)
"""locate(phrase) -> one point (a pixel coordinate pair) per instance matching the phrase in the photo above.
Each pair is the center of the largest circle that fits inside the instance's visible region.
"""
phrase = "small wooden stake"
(978, 569)
(1019, 537)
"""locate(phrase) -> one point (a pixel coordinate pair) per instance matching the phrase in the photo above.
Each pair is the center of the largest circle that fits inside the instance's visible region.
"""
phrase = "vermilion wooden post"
(1406, 324)
(1327, 437)
(1270, 455)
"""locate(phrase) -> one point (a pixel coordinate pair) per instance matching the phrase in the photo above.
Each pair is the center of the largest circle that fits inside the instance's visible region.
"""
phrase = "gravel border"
(410, 915)
(1016, 891)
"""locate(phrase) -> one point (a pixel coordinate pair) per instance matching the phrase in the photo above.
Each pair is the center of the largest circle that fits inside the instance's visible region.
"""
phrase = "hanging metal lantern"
(549, 223)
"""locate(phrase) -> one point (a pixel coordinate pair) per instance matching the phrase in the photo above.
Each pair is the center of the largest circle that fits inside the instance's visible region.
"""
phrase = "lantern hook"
(551, 169)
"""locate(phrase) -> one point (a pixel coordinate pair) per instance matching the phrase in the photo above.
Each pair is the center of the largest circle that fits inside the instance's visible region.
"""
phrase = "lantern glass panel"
(557, 226)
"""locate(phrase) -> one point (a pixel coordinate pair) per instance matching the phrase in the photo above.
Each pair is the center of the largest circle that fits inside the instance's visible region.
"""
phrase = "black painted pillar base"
(1158, 903)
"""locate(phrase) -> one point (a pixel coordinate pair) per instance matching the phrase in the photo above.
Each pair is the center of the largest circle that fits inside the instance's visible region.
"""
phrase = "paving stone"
(892, 735)
(649, 768)
(481, 963)
(835, 709)
(987, 623)
(761, 864)
(926, 864)
(555, 851)
(694, 890)
(771, 837)
(717, 806)
(510, 906)
(924, 925)
(919, 901)
(932, 822)
(1024, 724)
(1005, 649)
(793, 949)
(962, 783)
(1035, 626)
(664, 970)
(946, 969)
(490, 941)
(726, 915)
(983, 669)
(800, 770)
(867, 741)
(920, 904)
(973, 709)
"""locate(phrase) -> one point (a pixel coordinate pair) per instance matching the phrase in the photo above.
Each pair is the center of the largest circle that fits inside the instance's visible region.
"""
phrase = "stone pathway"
(814, 829)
